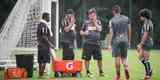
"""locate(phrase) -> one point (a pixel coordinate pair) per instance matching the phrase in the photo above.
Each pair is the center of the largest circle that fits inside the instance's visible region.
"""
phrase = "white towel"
(49, 27)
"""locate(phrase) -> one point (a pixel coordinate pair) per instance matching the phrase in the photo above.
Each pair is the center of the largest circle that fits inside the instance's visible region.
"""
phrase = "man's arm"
(145, 36)
(67, 28)
(83, 31)
(39, 32)
(129, 34)
(110, 34)
(110, 37)
(98, 26)
(48, 42)
(47, 38)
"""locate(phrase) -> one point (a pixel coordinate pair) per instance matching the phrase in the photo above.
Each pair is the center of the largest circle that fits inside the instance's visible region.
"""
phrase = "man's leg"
(117, 56)
(87, 63)
(124, 61)
(97, 55)
(86, 56)
(147, 65)
(65, 51)
(99, 64)
(140, 55)
(72, 56)
(124, 49)
(41, 69)
(144, 58)
(117, 66)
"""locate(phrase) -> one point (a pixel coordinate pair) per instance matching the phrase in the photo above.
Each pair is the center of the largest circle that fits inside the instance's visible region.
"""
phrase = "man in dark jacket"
(44, 43)
(69, 35)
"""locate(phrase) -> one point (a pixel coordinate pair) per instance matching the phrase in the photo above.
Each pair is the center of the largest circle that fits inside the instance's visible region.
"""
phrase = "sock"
(118, 72)
(87, 68)
(147, 66)
(126, 71)
(125, 66)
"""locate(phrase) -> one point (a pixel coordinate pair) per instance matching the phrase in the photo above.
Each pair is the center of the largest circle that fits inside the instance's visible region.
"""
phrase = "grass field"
(135, 67)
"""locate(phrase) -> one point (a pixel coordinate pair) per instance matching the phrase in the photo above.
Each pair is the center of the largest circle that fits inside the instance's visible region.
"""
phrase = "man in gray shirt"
(119, 39)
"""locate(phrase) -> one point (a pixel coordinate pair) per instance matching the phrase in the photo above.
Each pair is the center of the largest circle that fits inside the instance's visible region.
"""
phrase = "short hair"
(45, 15)
(69, 11)
(116, 8)
(145, 13)
(92, 10)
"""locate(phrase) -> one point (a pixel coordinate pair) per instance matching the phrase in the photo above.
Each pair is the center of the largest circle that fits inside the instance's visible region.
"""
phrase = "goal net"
(19, 30)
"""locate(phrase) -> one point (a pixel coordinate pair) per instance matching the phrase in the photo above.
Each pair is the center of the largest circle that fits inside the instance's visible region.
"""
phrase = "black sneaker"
(89, 74)
(101, 73)
(150, 73)
(148, 76)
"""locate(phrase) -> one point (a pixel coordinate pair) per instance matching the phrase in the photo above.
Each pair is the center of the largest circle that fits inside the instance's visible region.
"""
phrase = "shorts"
(147, 46)
(90, 50)
(68, 53)
(120, 49)
(43, 56)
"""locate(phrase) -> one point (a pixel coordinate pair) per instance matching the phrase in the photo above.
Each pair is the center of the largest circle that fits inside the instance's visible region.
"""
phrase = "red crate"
(15, 73)
(67, 66)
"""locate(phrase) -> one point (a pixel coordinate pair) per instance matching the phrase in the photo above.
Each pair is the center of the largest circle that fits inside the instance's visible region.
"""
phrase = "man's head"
(145, 14)
(116, 10)
(69, 11)
(70, 15)
(45, 16)
(92, 14)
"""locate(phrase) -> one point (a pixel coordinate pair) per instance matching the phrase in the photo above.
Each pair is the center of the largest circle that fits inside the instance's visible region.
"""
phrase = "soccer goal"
(18, 33)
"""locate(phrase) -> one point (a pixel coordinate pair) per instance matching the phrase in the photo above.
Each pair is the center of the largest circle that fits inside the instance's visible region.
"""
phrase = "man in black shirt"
(91, 33)
(44, 43)
(69, 34)
(146, 42)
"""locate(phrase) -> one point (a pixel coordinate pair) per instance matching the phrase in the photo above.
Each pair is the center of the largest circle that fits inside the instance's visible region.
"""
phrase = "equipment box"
(61, 67)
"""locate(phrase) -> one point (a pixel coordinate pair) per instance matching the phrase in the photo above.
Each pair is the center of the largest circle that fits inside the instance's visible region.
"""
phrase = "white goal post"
(18, 31)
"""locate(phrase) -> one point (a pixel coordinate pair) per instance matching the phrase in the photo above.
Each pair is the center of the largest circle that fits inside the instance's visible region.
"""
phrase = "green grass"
(135, 67)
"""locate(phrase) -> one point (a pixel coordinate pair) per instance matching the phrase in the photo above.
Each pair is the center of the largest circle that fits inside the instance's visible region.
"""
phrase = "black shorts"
(147, 46)
(43, 56)
(90, 50)
(68, 53)
(120, 49)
